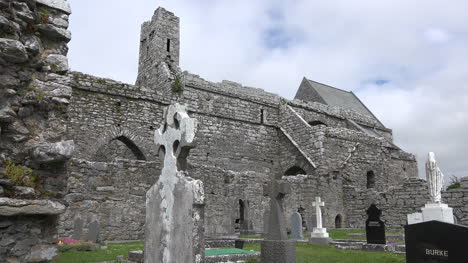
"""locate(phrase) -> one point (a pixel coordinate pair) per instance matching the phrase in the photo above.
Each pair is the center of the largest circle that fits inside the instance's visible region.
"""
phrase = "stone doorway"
(338, 221)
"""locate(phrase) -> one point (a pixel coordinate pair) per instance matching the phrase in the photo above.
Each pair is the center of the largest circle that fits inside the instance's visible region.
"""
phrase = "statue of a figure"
(435, 178)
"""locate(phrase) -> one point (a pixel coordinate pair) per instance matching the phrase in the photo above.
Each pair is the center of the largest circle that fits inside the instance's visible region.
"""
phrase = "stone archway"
(295, 170)
(121, 143)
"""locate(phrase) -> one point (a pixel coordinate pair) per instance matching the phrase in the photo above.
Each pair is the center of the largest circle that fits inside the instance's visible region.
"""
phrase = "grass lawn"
(112, 251)
(305, 253)
(343, 233)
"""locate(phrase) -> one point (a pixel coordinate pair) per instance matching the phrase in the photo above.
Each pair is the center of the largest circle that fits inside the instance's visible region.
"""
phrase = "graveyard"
(178, 169)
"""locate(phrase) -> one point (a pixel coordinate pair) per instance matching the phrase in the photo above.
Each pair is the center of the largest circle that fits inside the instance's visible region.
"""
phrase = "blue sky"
(406, 60)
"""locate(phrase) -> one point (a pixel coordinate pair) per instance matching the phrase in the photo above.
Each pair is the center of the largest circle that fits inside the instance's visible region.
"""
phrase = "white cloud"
(418, 48)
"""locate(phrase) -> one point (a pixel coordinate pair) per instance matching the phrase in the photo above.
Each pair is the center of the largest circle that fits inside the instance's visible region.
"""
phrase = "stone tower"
(159, 48)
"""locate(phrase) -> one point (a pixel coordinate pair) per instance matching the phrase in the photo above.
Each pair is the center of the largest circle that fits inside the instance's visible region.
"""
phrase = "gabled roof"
(317, 92)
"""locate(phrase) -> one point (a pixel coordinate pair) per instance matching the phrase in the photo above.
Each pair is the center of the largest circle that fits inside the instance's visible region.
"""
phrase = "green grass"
(250, 237)
(112, 251)
(343, 233)
(226, 251)
(306, 253)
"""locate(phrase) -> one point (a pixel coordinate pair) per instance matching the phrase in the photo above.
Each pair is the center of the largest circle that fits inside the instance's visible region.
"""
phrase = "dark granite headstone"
(93, 231)
(436, 242)
(375, 228)
(78, 229)
(239, 243)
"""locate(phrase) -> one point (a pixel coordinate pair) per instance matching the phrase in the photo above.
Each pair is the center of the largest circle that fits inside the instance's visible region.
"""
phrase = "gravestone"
(266, 219)
(319, 235)
(296, 226)
(436, 242)
(174, 204)
(78, 229)
(93, 231)
(375, 228)
(277, 248)
(246, 227)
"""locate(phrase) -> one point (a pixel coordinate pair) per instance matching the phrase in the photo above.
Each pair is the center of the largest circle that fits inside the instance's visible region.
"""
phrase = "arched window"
(119, 147)
(370, 179)
(295, 170)
(316, 123)
(338, 221)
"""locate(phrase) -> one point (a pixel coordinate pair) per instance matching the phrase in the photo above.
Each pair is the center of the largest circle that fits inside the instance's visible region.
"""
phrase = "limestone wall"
(112, 194)
(304, 190)
(396, 203)
(34, 146)
(457, 199)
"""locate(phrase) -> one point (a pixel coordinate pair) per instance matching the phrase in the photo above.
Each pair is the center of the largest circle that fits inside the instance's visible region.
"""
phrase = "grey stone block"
(278, 251)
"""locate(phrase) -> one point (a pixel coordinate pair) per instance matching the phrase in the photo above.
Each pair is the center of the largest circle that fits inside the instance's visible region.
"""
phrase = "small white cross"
(318, 203)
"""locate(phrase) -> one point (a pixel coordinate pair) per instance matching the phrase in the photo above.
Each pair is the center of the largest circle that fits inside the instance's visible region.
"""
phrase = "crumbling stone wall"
(112, 194)
(34, 144)
(246, 135)
(457, 199)
(396, 203)
(304, 189)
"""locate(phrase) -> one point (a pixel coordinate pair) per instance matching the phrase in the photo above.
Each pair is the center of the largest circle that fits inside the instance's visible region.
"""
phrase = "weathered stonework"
(245, 135)
(34, 144)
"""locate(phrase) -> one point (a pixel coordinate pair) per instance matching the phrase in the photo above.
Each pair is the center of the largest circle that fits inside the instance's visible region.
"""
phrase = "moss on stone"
(177, 86)
(21, 175)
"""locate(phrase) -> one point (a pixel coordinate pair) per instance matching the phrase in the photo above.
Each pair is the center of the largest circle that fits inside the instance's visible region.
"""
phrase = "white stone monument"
(435, 209)
(174, 204)
(319, 234)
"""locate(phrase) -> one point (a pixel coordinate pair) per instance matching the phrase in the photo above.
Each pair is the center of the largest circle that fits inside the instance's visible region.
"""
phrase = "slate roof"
(332, 96)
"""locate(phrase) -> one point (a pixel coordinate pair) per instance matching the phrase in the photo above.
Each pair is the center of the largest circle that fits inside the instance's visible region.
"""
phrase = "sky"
(406, 60)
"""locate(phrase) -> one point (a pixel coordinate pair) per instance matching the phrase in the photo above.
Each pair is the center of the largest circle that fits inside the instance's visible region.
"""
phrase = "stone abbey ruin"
(78, 155)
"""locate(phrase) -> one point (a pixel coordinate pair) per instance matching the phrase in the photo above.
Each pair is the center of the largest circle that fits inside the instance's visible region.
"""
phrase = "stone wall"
(304, 189)
(34, 144)
(396, 203)
(457, 199)
(113, 194)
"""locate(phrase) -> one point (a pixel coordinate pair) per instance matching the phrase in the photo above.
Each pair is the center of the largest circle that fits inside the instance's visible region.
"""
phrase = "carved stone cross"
(277, 226)
(175, 138)
(174, 204)
(318, 212)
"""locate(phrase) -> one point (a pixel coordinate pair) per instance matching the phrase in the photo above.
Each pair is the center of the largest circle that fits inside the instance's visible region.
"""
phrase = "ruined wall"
(354, 154)
(112, 194)
(396, 203)
(223, 190)
(34, 146)
(102, 110)
(457, 199)
(304, 189)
